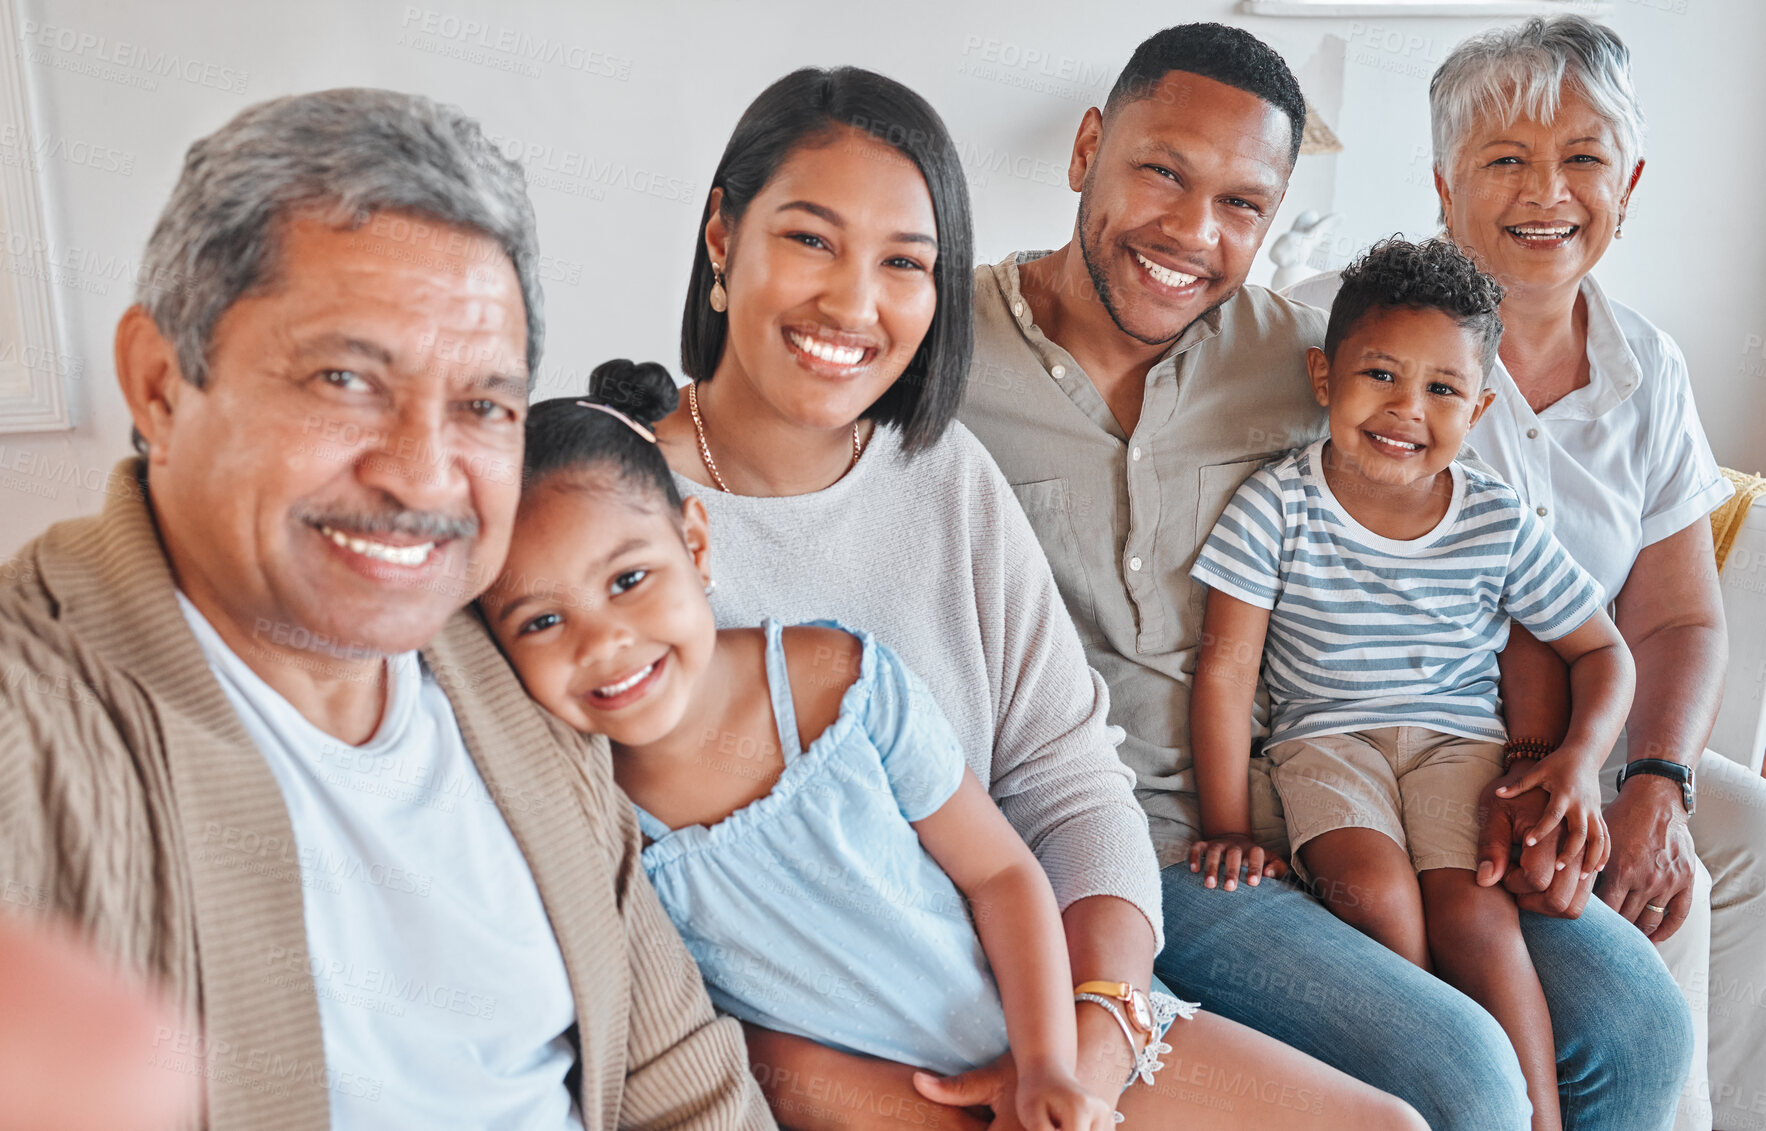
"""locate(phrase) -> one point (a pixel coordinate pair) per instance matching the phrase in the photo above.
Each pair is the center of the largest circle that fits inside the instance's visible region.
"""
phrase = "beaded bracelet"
(1519, 748)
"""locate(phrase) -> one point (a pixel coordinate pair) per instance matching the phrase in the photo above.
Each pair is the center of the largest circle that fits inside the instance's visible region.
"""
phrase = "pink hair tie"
(618, 415)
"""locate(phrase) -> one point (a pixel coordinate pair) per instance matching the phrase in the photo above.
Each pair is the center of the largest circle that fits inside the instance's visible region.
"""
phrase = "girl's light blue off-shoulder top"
(815, 910)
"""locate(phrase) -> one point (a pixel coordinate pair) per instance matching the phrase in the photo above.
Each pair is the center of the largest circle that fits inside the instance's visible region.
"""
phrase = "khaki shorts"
(1418, 786)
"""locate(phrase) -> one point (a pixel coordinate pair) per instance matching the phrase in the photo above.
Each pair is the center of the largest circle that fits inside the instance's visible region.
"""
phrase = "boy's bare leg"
(1366, 879)
(1475, 937)
(1223, 1076)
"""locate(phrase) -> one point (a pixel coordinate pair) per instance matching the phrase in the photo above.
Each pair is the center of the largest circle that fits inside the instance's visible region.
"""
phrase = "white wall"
(628, 106)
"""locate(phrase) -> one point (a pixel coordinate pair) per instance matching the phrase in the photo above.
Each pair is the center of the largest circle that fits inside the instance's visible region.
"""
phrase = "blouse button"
(1541, 512)
(1135, 455)
(1057, 371)
(1532, 433)
(1018, 309)
(1134, 564)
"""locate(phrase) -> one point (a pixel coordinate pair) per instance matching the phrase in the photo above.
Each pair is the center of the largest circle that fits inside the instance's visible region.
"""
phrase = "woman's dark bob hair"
(805, 109)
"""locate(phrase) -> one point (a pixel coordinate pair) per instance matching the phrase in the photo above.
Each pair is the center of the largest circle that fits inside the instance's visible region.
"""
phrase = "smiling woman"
(831, 291)
(838, 206)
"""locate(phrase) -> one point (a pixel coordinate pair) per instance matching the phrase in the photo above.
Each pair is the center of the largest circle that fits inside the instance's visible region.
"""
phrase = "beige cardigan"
(133, 801)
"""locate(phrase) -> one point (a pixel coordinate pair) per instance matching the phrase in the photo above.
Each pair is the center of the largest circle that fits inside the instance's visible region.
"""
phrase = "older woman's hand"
(1653, 865)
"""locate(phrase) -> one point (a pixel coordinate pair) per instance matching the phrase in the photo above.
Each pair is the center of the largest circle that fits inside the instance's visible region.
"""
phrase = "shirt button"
(1135, 455)
(1057, 371)
(1018, 309)
(1134, 564)
(1532, 433)
(1541, 511)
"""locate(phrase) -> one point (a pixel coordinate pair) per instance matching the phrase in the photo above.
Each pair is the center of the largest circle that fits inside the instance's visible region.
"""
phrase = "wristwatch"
(1661, 767)
(1132, 998)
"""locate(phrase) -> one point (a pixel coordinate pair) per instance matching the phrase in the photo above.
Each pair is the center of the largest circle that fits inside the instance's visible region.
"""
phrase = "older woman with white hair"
(1538, 148)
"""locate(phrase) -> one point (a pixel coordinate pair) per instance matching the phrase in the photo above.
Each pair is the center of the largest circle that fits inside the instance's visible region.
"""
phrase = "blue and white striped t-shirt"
(1367, 631)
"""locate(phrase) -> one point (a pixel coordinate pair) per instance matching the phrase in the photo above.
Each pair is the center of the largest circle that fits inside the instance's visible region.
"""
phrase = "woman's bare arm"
(1670, 612)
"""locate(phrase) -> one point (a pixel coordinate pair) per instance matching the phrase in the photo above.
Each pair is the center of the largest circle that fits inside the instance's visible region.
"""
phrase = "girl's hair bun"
(642, 390)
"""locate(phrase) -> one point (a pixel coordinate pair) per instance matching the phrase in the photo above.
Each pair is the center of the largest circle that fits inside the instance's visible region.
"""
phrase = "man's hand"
(1653, 863)
(1537, 883)
(1234, 850)
(1569, 777)
(78, 1040)
(995, 1088)
(990, 1088)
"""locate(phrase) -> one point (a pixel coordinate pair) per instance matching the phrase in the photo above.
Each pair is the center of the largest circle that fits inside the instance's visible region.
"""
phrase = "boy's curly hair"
(1431, 275)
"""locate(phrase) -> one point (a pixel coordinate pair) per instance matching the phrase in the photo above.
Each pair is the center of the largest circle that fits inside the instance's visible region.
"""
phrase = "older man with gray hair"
(265, 756)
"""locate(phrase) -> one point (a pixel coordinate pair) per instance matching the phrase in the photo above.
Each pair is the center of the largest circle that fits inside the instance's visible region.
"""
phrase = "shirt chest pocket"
(1048, 504)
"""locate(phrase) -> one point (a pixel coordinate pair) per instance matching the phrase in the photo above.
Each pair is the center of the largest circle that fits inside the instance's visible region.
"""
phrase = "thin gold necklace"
(858, 448)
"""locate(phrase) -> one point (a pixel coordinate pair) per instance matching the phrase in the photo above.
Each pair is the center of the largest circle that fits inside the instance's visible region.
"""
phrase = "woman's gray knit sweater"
(935, 557)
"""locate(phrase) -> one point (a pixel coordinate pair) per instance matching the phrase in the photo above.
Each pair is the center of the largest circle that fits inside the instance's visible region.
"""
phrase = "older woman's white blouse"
(1612, 467)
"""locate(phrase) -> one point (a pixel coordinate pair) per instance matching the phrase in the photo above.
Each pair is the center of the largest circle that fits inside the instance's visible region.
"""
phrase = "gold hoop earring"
(720, 299)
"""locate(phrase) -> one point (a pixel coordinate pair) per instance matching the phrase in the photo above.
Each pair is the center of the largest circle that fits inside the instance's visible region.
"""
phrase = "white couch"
(1740, 733)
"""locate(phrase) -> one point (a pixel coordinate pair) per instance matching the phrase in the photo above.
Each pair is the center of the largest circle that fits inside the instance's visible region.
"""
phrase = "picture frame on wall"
(34, 368)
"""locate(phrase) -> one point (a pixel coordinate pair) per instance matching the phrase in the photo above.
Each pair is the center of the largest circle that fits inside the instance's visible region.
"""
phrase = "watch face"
(1138, 1012)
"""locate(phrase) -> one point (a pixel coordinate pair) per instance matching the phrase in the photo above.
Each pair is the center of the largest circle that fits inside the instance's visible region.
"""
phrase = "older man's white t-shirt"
(443, 999)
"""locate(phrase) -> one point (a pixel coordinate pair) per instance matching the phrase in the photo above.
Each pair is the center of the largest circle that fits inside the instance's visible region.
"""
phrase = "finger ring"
(1657, 910)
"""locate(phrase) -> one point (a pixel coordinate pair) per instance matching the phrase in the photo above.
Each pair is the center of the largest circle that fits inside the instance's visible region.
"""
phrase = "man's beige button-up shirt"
(1121, 517)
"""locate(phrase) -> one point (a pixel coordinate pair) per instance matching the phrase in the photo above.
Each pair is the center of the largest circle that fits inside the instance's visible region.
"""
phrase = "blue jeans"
(1273, 958)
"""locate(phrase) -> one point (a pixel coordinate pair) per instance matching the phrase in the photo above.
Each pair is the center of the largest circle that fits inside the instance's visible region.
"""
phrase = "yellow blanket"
(1726, 520)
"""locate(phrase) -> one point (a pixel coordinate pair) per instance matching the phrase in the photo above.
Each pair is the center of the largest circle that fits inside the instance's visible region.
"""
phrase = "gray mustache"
(427, 525)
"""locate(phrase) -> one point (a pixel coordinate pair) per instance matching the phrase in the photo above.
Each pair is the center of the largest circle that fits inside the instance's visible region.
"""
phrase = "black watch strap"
(1661, 767)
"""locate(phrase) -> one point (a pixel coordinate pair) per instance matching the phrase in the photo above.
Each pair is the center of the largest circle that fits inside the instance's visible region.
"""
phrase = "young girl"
(834, 867)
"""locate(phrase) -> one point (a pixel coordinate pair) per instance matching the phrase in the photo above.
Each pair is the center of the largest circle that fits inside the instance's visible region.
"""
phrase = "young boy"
(1372, 578)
